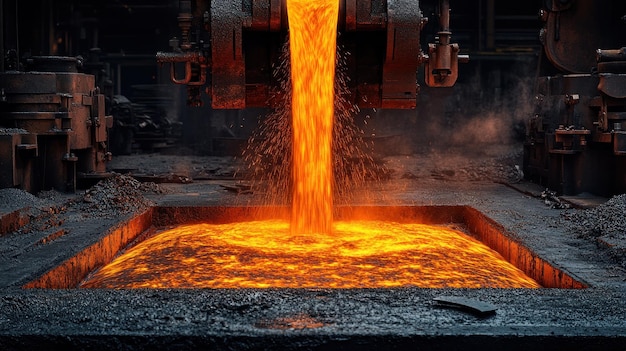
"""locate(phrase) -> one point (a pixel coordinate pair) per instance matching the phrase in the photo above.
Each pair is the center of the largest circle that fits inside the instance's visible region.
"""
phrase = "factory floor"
(53, 227)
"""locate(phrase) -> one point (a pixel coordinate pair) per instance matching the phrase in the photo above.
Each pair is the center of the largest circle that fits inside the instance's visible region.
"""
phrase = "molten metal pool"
(265, 254)
(252, 247)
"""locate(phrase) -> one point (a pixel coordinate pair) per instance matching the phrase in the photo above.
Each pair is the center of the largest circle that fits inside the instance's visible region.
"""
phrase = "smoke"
(483, 112)
(492, 128)
(494, 115)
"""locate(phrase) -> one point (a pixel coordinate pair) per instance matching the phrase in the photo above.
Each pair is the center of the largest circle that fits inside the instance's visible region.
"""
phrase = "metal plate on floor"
(475, 307)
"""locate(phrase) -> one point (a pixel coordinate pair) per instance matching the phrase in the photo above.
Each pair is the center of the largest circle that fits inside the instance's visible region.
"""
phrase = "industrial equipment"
(576, 140)
(143, 123)
(53, 125)
(226, 52)
(228, 49)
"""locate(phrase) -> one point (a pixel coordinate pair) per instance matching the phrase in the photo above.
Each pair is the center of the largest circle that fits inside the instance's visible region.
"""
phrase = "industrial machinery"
(228, 49)
(142, 123)
(53, 125)
(576, 140)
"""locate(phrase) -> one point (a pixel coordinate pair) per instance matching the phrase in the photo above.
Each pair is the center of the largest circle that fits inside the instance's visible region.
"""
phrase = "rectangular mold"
(72, 271)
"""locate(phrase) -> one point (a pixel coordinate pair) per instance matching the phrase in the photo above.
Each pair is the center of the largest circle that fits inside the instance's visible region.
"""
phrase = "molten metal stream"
(312, 40)
(263, 254)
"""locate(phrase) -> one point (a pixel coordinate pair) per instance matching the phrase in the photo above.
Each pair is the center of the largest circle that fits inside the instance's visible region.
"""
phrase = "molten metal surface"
(262, 254)
(312, 40)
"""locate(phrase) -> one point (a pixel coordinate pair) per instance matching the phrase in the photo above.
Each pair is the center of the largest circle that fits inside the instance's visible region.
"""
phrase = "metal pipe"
(185, 17)
(491, 24)
(17, 34)
(118, 79)
(444, 19)
(480, 25)
(444, 50)
(611, 55)
(2, 22)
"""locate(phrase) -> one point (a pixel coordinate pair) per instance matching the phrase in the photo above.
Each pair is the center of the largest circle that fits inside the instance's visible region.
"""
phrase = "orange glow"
(263, 254)
(313, 42)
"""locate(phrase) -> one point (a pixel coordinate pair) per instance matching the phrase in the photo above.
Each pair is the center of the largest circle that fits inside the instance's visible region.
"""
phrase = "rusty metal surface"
(349, 8)
(10, 174)
(613, 85)
(371, 15)
(54, 64)
(266, 15)
(399, 82)
(62, 115)
(15, 82)
(581, 110)
(611, 55)
(237, 28)
(433, 75)
(575, 30)
(619, 143)
(228, 66)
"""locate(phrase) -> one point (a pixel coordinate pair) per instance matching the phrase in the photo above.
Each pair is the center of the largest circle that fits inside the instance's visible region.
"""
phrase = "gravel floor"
(604, 225)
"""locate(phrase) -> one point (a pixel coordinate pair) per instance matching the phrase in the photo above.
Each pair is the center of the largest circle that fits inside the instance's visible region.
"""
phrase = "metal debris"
(551, 199)
(115, 196)
(238, 188)
(475, 307)
(604, 224)
(165, 178)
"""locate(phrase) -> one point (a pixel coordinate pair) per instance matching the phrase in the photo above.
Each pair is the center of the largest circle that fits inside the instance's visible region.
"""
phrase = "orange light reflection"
(263, 254)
